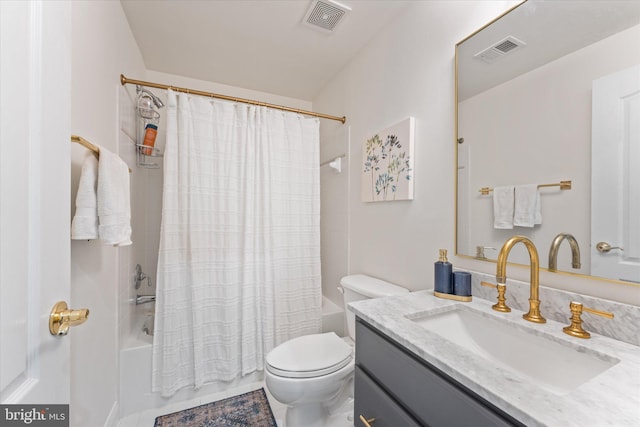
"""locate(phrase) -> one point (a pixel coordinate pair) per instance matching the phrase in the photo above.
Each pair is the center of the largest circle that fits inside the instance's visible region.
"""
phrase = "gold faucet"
(501, 275)
(555, 245)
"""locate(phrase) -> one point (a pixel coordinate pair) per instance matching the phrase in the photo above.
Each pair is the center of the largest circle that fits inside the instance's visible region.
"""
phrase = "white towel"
(85, 222)
(503, 207)
(114, 204)
(527, 211)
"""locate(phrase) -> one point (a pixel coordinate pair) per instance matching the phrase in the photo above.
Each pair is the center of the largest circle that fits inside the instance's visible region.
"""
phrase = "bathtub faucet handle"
(141, 276)
(143, 299)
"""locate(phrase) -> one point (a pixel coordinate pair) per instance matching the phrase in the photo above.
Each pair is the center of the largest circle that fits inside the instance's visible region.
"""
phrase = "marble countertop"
(611, 398)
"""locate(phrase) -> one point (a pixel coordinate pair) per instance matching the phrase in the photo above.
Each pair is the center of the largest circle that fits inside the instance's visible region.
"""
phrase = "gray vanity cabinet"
(397, 389)
(372, 401)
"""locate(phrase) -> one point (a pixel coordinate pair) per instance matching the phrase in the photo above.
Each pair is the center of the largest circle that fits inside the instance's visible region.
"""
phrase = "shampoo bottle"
(443, 282)
(150, 132)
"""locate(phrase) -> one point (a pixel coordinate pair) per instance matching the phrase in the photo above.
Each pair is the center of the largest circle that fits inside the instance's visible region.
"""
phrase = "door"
(615, 175)
(35, 66)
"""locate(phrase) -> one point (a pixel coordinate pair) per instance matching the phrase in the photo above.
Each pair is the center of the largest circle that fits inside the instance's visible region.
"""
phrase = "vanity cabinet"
(398, 389)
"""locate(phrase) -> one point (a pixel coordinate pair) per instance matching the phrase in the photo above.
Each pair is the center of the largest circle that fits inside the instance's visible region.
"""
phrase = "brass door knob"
(61, 318)
(604, 247)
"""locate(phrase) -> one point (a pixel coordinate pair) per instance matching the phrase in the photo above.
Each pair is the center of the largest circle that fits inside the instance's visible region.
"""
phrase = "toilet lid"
(309, 356)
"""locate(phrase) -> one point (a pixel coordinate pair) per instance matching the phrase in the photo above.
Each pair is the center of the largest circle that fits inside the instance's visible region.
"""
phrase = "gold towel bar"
(93, 148)
(564, 185)
(80, 140)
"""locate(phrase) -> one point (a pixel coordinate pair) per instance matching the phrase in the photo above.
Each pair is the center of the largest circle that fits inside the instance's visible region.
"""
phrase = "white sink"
(546, 361)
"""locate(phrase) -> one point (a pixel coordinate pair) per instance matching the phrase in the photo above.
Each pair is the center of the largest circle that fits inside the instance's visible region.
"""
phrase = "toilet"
(313, 374)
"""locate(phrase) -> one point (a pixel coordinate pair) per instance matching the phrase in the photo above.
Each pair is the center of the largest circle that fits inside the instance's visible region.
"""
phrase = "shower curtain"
(239, 257)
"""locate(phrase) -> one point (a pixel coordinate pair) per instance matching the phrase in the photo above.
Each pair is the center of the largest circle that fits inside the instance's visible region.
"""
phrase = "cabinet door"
(431, 396)
(372, 403)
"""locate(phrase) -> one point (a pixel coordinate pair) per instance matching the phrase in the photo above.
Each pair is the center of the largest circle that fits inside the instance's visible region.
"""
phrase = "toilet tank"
(357, 287)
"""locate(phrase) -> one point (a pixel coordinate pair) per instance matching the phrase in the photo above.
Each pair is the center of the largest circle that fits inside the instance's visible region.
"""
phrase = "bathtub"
(135, 364)
(333, 319)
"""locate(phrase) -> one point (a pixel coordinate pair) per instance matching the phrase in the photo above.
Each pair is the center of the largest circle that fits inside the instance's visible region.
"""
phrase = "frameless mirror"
(549, 93)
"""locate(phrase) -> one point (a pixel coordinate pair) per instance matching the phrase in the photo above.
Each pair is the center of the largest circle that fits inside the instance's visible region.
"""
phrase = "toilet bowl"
(313, 374)
(309, 374)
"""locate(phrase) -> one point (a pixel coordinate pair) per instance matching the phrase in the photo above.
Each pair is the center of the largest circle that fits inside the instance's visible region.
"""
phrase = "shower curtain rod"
(124, 80)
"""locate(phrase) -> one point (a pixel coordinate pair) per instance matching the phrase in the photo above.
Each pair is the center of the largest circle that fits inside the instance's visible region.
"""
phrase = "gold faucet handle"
(501, 304)
(368, 422)
(575, 329)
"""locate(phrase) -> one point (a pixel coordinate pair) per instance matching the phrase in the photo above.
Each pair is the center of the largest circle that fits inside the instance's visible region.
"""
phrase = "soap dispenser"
(443, 282)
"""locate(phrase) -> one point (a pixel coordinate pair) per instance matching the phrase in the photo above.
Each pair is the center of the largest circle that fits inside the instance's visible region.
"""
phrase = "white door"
(35, 81)
(615, 175)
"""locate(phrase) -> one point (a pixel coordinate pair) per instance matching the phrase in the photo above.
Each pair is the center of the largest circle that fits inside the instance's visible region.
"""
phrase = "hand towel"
(85, 221)
(114, 204)
(503, 207)
(527, 211)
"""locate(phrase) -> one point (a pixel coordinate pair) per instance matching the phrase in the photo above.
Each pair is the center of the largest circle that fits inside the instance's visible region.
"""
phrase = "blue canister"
(462, 283)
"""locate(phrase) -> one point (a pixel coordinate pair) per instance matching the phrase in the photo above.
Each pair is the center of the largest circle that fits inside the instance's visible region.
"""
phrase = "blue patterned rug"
(245, 410)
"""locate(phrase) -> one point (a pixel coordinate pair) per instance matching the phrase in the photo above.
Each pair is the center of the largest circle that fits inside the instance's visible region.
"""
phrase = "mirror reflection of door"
(615, 210)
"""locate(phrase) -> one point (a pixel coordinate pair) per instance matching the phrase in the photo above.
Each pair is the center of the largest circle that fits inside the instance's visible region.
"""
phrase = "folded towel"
(527, 206)
(114, 205)
(503, 207)
(85, 222)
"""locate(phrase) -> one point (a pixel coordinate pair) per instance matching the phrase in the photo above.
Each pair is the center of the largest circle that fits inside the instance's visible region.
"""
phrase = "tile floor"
(147, 418)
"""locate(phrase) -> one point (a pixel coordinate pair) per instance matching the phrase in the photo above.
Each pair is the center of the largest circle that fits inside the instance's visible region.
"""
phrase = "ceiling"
(260, 44)
(550, 30)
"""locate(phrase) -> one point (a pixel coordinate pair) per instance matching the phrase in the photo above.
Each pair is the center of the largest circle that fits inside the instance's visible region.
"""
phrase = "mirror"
(528, 112)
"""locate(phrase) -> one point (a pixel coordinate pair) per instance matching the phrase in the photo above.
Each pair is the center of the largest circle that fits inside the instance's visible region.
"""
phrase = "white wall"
(222, 89)
(408, 70)
(102, 48)
(334, 210)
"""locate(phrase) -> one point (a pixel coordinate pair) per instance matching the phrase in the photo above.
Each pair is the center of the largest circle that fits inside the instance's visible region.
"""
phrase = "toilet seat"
(309, 356)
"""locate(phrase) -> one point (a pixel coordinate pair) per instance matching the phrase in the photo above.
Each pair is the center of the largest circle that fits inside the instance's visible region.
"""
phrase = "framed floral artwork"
(387, 164)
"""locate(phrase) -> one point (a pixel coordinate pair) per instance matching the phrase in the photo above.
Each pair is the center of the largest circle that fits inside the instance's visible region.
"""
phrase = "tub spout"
(143, 299)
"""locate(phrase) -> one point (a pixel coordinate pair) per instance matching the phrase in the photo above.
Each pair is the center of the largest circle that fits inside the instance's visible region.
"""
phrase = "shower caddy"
(147, 106)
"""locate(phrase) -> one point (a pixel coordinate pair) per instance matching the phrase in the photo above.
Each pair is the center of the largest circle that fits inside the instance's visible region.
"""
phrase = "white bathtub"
(333, 319)
(135, 365)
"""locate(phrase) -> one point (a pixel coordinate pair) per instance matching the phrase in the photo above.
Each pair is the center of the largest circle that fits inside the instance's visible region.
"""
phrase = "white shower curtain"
(239, 258)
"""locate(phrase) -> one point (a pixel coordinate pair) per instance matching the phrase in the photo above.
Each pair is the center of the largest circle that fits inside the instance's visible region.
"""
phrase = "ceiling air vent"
(325, 15)
(504, 46)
